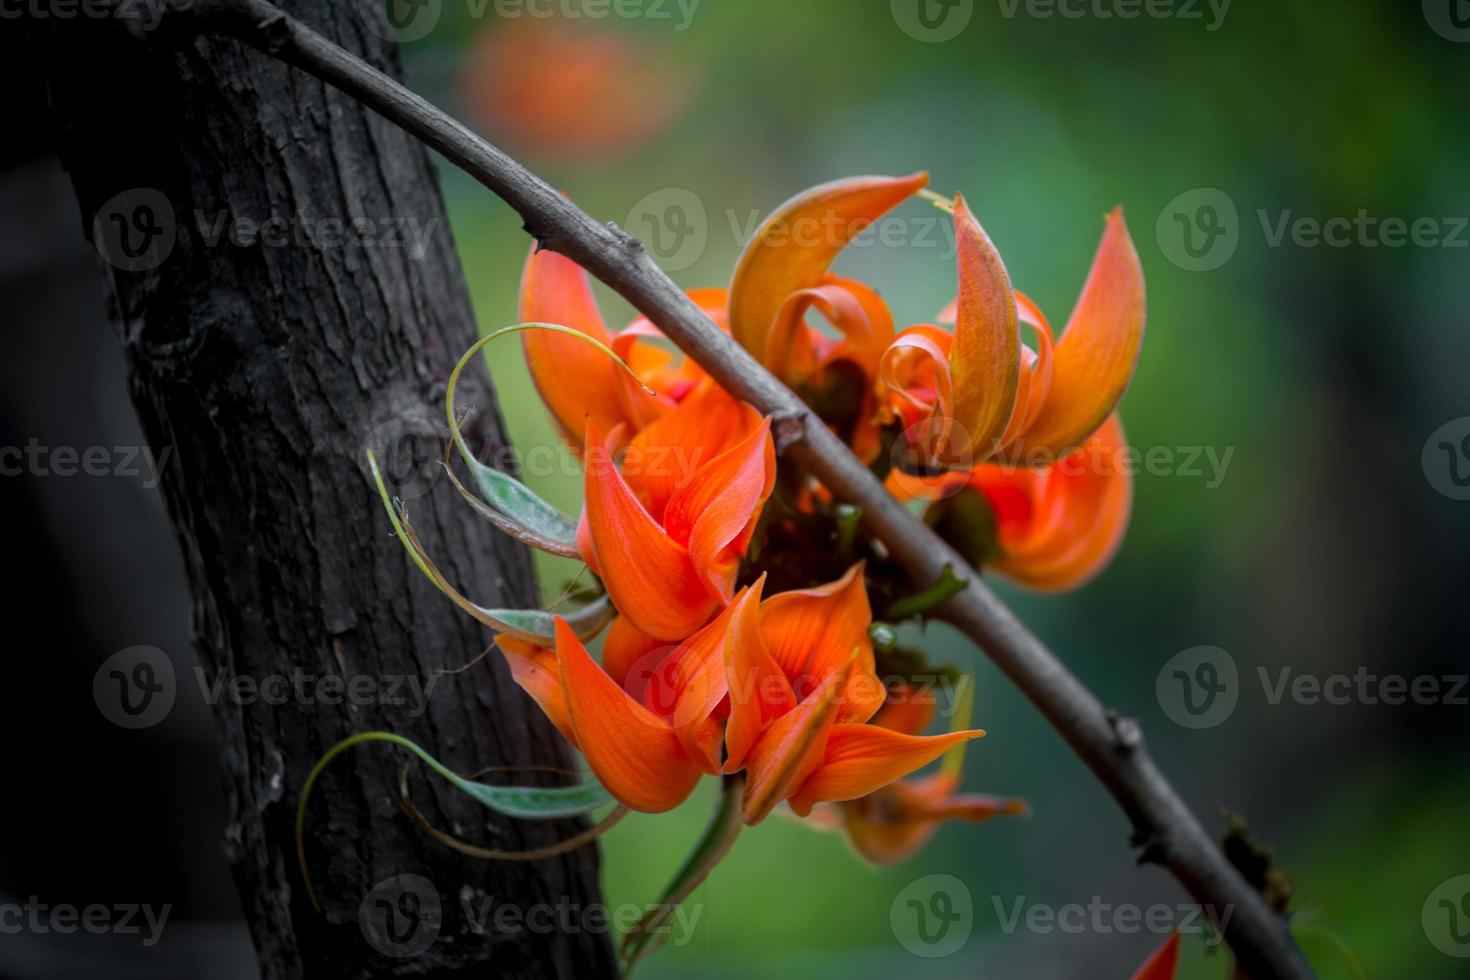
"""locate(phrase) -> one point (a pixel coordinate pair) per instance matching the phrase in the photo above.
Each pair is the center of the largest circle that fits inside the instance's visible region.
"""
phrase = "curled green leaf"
(525, 802)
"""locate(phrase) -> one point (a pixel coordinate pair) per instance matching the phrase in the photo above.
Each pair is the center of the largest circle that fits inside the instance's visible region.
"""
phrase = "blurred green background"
(1324, 548)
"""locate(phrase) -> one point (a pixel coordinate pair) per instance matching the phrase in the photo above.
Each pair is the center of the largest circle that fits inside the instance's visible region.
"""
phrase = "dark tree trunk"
(265, 361)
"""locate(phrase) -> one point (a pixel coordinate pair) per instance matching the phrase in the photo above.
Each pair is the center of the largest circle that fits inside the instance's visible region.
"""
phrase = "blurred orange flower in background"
(556, 89)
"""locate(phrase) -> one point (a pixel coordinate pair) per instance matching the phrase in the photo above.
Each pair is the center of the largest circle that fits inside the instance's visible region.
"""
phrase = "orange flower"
(894, 822)
(1054, 527)
(782, 276)
(668, 550)
(575, 379)
(571, 91)
(965, 395)
(802, 688)
(646, 760)
(980, 393)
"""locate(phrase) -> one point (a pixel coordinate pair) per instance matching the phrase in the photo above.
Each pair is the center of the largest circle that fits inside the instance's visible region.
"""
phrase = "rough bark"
(266, 367)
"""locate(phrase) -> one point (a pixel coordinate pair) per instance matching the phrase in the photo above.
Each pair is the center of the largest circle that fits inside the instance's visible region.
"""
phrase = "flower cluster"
(744, 633)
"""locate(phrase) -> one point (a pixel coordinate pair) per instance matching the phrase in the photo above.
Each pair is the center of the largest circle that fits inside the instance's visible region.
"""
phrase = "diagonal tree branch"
(1111, 746)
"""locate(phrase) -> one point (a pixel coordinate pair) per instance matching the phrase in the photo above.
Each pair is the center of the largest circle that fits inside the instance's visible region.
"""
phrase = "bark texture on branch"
(267, 366)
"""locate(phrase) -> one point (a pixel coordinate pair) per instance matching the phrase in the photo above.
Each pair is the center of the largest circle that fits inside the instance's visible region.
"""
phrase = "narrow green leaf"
(529, 624)
(505, 493)
(525, 802)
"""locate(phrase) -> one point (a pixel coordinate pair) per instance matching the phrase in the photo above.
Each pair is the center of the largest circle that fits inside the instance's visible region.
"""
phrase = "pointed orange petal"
(714, 510)
(634, 753)
(1099, 349)
(893, 823)
(535, 669)
(759, 690)
(690, 685)
(811, 633)
(790, 749)
(1164, 962)
(861, 759)
(665, 456)
(986, 357)
(647, 574)
(794, 247)
(574, 378)
(1059, 527)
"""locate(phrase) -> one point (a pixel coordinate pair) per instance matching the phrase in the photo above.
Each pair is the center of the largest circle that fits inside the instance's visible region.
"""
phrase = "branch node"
(788, 430)
(629, 242)
(1127, 735)
(1150, 847)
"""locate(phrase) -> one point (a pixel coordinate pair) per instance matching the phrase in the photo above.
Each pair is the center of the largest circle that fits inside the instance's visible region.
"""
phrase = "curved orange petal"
(690, 685)
(666, 456)
(670, 375)
(714, 512)
(790, 749)
(759, 690)
(860, 759)
(1164, 962)
(812, 633)
(630, 656)
(793, 248)
(915, 372)
(634, 753)
(575, 379)
(1059, 527)
(535, 669)
(648, 575)
(893, 823)
(986, 357)
(1099, 349)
